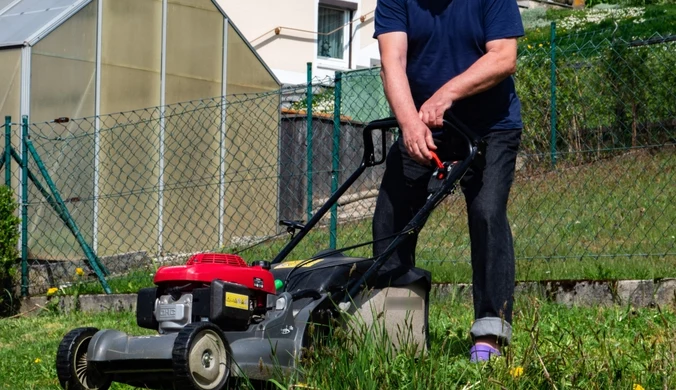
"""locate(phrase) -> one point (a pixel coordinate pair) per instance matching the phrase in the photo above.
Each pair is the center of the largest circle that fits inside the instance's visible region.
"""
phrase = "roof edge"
(9, 6)
(246, 41)
(12, 45)
(56, 22)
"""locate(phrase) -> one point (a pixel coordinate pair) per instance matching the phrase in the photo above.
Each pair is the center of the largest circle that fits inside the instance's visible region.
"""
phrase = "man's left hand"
(432, 111)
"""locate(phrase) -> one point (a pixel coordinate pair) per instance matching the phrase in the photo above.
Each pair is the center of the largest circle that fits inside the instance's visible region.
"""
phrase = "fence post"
(553, 94)
(335, 166)
(24, 206)
(93, 262)
(8, 151)
(308, 141)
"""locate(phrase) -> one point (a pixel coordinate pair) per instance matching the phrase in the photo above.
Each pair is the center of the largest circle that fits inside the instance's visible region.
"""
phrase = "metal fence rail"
(121, 194)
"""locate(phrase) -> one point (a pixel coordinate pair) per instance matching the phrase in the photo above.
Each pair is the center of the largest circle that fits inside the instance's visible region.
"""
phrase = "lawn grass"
(554, 345)
(613, 219)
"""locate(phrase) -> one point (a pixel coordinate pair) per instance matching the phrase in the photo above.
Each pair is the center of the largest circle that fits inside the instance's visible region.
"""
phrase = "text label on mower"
(237, 301)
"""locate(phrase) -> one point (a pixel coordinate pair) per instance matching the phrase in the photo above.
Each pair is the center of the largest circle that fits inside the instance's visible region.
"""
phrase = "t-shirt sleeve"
(502, 19)
(390, 16)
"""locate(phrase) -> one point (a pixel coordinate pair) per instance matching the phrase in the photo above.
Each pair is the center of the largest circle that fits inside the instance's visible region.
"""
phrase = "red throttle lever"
(440, 171)
(440, 165)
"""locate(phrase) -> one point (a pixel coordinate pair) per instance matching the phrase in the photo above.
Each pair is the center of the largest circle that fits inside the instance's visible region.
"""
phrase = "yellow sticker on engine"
(237, 301)
(295, 263)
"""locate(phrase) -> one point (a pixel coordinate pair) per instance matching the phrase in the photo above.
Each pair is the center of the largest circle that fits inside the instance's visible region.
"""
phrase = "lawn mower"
(218, 317)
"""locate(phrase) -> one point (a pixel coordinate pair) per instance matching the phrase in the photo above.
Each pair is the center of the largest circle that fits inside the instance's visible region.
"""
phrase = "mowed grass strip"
(554, 346)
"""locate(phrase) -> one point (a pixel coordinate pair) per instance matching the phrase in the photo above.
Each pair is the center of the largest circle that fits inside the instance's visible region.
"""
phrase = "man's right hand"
(417, 136)
(418, 141)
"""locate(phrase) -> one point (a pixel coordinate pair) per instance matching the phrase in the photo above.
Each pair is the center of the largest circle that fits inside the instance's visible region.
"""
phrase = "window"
(333, 40)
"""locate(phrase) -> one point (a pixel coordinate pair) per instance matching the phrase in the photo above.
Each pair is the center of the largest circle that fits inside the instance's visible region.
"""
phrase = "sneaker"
(481, 353)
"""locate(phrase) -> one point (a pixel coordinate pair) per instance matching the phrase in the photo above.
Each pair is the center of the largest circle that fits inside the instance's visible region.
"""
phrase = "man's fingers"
(425, 116)
(414, 151)
(416, 154)
(424, 151)
(439, 122)
(429, 140)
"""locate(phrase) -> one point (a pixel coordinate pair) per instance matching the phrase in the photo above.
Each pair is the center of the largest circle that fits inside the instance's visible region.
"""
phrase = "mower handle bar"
(450, 123)
(369, 160)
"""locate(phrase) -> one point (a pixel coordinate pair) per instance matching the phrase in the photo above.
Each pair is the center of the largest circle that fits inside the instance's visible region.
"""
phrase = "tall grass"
(554, 347)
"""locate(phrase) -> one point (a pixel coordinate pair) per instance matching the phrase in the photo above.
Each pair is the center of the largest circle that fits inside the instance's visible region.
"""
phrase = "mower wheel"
(201, 357)
(72, 368)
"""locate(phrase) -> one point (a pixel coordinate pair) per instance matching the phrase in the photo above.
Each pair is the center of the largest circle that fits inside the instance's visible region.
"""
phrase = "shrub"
(9, 237)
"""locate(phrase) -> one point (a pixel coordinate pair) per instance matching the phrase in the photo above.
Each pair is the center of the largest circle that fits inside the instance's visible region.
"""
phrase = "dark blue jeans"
(486, 187)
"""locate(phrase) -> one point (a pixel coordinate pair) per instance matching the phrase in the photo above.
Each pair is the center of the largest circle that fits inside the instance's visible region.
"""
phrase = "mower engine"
(211, 287)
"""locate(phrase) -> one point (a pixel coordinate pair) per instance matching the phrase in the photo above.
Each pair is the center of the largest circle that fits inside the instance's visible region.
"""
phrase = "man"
(457, 56)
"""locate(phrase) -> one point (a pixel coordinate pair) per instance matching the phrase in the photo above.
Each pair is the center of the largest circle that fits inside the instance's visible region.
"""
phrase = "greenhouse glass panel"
(246, 73)
(129, 142)
(63, 84)
(201, 4)
(10, 83)
(63, 77)
(252, 128)
(193, 127)
(194, 33)
(131, 55)
(10, 95)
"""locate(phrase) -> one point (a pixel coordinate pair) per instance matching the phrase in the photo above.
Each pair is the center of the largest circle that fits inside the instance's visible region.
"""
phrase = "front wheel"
(201, 357)
(72, 368)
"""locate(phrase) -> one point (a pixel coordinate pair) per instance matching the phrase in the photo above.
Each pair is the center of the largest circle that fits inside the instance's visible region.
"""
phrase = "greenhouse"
(79, 58)
(144, 169)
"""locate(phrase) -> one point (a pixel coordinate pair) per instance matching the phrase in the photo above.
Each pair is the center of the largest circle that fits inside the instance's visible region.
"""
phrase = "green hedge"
(9, 238)
(610, 95)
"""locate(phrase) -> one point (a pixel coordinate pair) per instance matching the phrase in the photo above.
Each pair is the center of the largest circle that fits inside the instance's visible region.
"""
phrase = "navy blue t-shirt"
(445, 37)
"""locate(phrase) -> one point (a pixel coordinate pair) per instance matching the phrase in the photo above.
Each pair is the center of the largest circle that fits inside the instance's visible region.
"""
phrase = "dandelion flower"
(79, 271)
(530, 47)
(518, 371)
(37, 361)
(637, 387)
(52, 291)
(540, 45)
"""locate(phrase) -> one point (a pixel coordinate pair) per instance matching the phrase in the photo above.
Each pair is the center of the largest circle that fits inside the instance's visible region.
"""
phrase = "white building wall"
(284, 34)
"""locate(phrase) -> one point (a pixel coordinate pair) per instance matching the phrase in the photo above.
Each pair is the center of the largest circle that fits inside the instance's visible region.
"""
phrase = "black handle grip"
(369, 151)
(451, 122)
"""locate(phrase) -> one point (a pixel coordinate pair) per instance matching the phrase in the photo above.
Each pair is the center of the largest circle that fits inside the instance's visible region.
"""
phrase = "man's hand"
(432, 111)
(418, 141)
(417, 136)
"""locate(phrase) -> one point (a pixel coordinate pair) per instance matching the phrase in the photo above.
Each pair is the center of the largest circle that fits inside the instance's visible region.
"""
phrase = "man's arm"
(417, 136)
(497, 64)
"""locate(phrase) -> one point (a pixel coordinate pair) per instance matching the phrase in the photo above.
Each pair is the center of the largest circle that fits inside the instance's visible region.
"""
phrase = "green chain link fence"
(113, 197)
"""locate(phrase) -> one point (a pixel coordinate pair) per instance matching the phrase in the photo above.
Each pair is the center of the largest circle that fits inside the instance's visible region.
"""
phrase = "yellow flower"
(37, 360)
(530, 47)
(518, 371)
(52, 291)
(638, 387)
(540, 45)
(79, 271)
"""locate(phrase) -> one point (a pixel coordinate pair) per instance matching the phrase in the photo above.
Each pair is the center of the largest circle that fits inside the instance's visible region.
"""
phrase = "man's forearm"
(398, 92)
(485, 73)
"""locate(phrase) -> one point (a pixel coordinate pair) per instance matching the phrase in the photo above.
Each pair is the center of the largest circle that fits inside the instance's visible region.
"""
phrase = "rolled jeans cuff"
(492, 326)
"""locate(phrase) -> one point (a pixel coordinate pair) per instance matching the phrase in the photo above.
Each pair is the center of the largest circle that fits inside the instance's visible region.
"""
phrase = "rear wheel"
(72, 368)
(201, 357)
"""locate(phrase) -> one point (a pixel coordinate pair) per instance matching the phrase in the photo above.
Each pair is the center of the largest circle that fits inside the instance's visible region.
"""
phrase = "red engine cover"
(206, 267)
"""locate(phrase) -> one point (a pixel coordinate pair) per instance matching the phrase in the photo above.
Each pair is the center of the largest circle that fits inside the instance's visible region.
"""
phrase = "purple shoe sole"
(480, 353)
